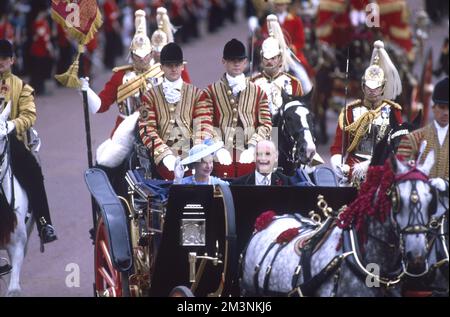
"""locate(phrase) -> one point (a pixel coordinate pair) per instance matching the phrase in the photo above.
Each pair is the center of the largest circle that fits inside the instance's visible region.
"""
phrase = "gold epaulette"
(123, 67)
(352, 104)
(132, 86)
(393, 104)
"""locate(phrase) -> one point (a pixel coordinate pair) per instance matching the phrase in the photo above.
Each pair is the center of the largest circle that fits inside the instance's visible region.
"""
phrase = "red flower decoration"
(287, 235)
(278, 182)
(264, 220)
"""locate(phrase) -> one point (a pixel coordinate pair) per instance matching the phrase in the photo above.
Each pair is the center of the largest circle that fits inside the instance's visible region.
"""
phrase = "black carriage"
(184, 240)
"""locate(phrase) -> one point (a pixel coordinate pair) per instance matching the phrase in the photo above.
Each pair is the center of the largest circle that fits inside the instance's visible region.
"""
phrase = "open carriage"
(184, 240)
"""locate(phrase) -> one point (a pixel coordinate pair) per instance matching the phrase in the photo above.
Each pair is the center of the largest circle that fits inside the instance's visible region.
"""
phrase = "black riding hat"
(6, 48)
(171, 54)
(234, 49)
(440, 92)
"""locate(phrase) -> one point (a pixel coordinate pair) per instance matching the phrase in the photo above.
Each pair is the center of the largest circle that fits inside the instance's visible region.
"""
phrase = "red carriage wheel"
(181, 291)
(109, 281)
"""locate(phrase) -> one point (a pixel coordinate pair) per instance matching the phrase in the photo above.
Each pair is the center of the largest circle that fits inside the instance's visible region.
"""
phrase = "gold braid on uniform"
(360, 127)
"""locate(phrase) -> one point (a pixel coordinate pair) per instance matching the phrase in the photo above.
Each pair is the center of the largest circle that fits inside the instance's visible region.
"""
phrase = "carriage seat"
(150, 188)
(325, 176)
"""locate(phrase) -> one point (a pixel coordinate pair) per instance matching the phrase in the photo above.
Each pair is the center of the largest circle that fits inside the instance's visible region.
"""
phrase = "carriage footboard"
(114, 217)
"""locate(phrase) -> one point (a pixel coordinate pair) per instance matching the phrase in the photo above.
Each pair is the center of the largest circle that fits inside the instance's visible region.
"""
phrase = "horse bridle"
(416, 224)
(291, 154)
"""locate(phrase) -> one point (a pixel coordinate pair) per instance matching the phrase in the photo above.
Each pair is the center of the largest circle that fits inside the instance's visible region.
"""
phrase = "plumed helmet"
(140, 45)
(165, 31)
(382, 72)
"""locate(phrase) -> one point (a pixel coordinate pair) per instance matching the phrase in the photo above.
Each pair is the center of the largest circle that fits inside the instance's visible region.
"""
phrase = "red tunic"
(108, 95)
(336, 147)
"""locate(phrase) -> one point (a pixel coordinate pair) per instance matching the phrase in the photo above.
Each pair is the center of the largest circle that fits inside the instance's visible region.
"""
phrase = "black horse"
(293, 125)
(389, 144)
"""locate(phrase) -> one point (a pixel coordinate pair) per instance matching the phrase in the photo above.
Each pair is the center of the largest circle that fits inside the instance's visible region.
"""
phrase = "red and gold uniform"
(125, 87)
(364, 128)
(170, 125)
(273, 86)
(238, 121)
(294, 34)
(410, 145)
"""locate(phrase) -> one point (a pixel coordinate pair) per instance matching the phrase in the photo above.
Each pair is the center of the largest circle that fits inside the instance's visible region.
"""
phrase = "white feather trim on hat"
(393, 86)
(114, 150)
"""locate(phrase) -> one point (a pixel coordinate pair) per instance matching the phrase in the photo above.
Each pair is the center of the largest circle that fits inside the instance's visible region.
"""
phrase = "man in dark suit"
(264, 175)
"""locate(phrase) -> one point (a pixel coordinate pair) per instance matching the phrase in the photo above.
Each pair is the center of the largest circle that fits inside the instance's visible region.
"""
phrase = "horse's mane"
(372, 201)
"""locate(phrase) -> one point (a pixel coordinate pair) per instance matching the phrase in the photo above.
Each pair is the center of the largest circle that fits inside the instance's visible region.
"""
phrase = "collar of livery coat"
(441, 132)
(5, 74)
(172, 90)
(237, 84)
(260, 177)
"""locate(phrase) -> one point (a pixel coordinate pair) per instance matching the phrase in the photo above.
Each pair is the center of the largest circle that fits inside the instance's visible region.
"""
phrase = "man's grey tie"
(266, 181)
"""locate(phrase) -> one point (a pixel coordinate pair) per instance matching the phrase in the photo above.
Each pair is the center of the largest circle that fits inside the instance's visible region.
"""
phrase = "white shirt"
(237, 84)
(441, 132)
(259, 179)
(172, 90)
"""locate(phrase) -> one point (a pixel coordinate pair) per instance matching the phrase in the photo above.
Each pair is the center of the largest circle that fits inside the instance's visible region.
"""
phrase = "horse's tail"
(8, 220)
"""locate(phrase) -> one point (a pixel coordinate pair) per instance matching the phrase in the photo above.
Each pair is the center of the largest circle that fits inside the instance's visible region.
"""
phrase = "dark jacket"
(277, 179)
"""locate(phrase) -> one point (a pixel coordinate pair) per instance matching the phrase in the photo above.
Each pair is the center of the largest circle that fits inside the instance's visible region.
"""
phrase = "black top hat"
(6, 48)
(234, 49)
(440, 92)
(171, 54)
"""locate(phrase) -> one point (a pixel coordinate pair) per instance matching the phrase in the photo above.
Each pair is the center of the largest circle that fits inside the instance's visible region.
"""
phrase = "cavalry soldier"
(165, 123)
(273, 78)
(238, 111)
(125, 87)
(363, 123)
(23, 163)
(436, 136)
(162, 36)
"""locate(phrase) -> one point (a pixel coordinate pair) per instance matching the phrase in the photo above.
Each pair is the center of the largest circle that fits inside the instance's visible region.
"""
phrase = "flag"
(81, 19)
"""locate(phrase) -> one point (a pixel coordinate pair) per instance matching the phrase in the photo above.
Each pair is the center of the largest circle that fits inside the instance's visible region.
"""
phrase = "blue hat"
(199, 151)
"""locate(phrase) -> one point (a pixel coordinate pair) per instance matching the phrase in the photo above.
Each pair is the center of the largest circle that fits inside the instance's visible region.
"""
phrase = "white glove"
(178, 171)
(84, 83)
(94, 101)
(253, 23)
(10, 125)
(341, 170)
(169, 162)
(224, 156)
(247, 156)
(438, 183)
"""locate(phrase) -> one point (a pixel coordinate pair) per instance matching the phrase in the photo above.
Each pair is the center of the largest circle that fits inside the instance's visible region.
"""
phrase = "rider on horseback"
(363, 123)
(24, 164)
(275, 61)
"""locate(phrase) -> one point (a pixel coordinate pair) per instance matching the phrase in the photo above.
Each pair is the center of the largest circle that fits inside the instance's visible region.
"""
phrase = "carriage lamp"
(193, 232)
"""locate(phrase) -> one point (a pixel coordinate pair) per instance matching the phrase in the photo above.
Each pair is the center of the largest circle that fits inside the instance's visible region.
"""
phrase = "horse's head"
(295, 122)
(413, 201)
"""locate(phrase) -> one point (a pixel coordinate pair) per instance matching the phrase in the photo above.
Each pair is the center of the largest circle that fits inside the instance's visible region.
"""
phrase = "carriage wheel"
(109, 282)
(181, 291)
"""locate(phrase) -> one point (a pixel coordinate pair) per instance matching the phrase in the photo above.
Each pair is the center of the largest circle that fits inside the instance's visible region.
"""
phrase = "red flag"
(80, 18)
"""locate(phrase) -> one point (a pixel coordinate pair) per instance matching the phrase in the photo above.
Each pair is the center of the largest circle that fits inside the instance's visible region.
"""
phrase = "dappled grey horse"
(14, 232)
(293, 255)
